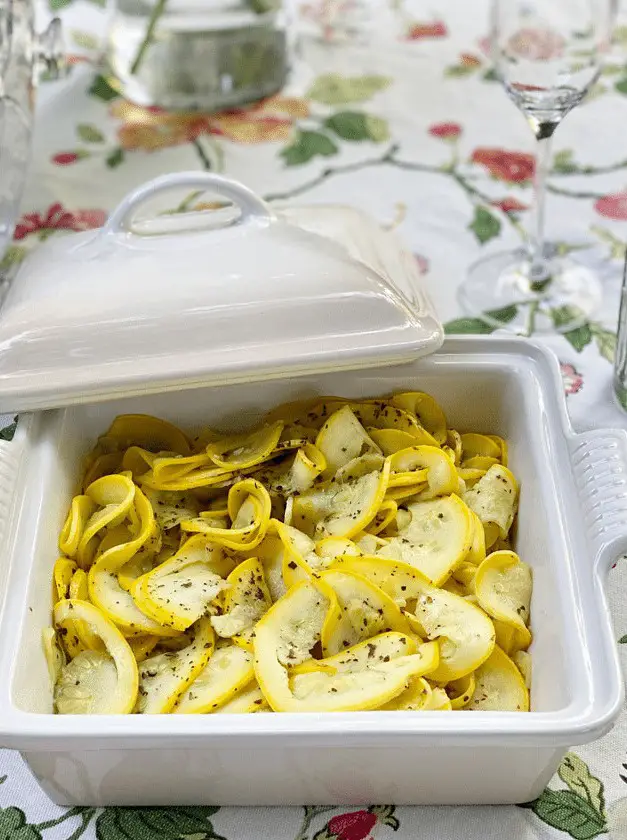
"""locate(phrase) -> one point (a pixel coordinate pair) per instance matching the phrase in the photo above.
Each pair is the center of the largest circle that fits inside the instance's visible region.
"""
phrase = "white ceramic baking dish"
(97, 314)
(572, 524)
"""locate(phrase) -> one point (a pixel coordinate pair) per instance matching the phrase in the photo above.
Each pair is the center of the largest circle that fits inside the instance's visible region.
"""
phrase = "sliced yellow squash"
(499, 687)
(178, 592)
(341, 439)
(413, 699)
(247, 701)
(465, 632)
(81, 509)
(164, 678)
(229, 669)
(493, 498)
(96, 682)
(148, 432)
(503, 587)
(436, 540)
(246, 599)
(242, 451)
(365, 611)
(426, 410)
(340, 509)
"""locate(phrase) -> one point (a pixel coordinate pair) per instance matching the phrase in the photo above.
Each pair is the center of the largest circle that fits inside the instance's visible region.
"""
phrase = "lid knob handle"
(251, 206)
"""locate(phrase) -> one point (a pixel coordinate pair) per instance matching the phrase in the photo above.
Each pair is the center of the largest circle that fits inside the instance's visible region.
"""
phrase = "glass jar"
(23, 55)
(204, 55)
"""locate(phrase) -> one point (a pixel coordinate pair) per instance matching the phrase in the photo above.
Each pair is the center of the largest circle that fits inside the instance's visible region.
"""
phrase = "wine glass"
(547, 54)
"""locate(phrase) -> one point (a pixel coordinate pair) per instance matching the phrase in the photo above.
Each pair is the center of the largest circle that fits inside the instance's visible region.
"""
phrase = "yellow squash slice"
(96, 682)
(522, 660)
(113, 496)
(341, 439)
(229, 670)
(62, 574)
(171, 508)
(390, 441)
(460, 691)
(365, 611)
(55, 657)
(366, 676)
(493, 498)
(242, 451)
(340, 509)
(413, 699)
(499, 687)
(247, 701)
(178, 592)
(164, 678)
(441, 474)
(400, 581)
(245, 601)
(81, 509)
(150, 433)
(475, 445)
(436, 540)
(503, 587)
(438, 701)
(426, 410)
(465, 633)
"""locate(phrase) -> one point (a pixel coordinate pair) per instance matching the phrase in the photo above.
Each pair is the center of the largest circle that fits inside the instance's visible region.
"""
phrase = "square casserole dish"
(572, 524)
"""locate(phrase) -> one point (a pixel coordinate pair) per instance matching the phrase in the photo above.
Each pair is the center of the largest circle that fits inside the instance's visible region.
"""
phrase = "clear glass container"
(203, 55)
(23, 56)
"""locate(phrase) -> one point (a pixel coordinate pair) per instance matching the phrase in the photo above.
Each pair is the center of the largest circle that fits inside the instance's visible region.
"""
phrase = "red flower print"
(65, 158)
(58, 218)
(515, 167)
(469, 60)
(446, 130)
(358, 825)
(421, 31)
(422, 263)
(612, 206)
(510, 205)
(485, 45)
(573, 380)
(353, 826)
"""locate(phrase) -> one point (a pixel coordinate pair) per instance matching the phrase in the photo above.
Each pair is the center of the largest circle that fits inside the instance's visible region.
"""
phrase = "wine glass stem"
(539, 266)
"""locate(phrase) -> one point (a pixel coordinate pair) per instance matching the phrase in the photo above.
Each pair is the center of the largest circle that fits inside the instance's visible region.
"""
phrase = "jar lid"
(175, 304)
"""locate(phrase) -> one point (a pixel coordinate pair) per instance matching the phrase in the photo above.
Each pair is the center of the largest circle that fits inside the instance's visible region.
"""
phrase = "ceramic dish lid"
(178, 303)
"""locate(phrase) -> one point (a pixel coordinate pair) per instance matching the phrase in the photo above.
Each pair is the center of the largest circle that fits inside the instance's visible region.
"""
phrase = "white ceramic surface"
(572, 524)
(177, 303)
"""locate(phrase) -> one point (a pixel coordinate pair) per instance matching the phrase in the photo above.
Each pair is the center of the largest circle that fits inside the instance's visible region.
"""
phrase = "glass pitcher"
(204, 55)
(23, 56)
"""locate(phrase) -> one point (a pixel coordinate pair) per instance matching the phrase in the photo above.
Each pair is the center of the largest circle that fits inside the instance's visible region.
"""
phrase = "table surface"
(442, 155)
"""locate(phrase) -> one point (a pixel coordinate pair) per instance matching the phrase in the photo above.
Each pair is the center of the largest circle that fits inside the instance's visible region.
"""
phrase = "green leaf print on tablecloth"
(484, 225)
(156, 823)
(308, 145)
(355, 126)
(13, 826)
(333, 89)
(578, 811)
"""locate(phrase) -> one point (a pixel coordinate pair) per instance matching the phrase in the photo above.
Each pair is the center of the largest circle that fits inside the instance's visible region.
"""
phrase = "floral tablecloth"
(418, 134)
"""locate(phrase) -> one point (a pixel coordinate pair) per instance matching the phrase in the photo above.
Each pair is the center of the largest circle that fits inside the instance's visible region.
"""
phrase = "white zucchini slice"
(494, 498)
(100, 682)
(499, 687)
(178, 592)
(503, 586)
(245, 601)
(163, 679)
(465, 632)
(340, 510)
(341, 439)
(437, 538)
(229, 669)
(365, 611)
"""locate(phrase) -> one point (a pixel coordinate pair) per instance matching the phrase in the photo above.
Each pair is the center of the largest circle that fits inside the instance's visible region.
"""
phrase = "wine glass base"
(499, 290)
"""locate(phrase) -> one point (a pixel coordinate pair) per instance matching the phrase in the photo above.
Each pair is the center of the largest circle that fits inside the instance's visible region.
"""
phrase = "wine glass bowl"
(547, 54)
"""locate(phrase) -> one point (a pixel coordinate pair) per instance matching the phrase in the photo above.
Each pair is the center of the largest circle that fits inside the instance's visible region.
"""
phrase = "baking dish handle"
(251, 206)
(599, 461)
